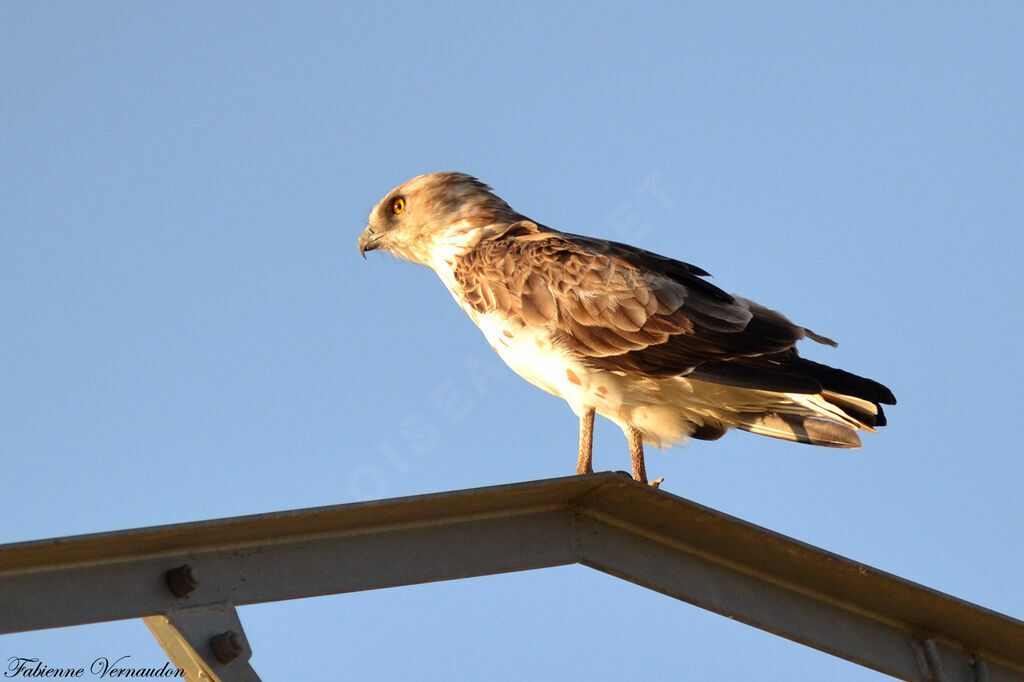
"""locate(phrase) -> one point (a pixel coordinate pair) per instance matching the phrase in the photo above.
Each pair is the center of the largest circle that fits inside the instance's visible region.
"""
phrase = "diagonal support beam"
(783, 608)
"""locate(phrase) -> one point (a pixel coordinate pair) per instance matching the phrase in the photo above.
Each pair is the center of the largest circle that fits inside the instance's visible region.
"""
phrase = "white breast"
(535, 355)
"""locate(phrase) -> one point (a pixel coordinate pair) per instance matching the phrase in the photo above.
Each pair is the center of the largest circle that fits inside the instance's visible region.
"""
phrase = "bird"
(639, 338)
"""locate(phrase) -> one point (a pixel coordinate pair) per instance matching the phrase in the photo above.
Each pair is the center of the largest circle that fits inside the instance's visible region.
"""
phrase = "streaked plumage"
(641, 339)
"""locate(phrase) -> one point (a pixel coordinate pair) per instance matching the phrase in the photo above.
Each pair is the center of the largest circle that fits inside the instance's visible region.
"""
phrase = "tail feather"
(795, 390)
(789, 399)
(866, 412)
(798, 429)
(841, 381)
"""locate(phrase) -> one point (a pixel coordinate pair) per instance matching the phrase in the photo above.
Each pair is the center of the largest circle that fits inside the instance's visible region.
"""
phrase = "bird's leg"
(583, 462)
(636, 453)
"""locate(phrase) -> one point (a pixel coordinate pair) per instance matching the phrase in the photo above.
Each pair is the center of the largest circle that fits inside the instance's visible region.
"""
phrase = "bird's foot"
(656, 483)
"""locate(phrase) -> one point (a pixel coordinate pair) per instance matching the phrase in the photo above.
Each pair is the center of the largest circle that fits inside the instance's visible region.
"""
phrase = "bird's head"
(433, 217)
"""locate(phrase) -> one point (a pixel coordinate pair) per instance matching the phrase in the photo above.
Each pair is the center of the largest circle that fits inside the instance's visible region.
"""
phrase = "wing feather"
(615, 306)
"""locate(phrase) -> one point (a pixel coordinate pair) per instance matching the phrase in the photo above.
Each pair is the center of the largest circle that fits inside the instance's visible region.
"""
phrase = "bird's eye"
(398, 205)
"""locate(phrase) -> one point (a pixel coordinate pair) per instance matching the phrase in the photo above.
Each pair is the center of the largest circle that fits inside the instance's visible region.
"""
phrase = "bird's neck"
(454, 242)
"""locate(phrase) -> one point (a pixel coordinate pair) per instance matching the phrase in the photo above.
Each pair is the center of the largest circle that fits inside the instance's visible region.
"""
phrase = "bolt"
(180, 580)
(227, 646)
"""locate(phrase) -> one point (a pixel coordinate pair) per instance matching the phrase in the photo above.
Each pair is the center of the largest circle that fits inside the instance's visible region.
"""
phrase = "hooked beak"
(368, 241)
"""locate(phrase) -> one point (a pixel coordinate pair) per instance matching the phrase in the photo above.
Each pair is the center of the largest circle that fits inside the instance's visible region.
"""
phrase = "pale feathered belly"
(533, 354)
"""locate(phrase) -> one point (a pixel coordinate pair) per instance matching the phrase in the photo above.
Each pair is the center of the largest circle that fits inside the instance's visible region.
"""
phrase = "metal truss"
(186, 579)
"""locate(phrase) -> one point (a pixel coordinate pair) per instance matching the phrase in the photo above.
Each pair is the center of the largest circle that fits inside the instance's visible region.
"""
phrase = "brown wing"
(618, 307)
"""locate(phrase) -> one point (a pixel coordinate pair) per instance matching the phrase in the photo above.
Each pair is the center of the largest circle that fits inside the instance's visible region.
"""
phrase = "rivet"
(180, 580)
(227, 646)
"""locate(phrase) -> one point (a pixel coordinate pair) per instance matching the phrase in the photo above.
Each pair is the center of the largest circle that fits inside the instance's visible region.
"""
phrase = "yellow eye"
(398, 205)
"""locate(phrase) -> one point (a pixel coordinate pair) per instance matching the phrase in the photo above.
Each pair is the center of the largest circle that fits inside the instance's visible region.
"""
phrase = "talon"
(656, 483)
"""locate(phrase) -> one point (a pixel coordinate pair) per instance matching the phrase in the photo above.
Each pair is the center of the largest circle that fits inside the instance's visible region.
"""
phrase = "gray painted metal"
(605, 521)
(186, 637)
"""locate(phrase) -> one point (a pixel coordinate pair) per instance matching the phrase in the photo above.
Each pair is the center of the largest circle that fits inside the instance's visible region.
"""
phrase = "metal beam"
(605, 521)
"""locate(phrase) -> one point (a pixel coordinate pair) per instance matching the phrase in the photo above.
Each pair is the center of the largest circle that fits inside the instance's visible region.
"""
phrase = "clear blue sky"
(188, 331)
